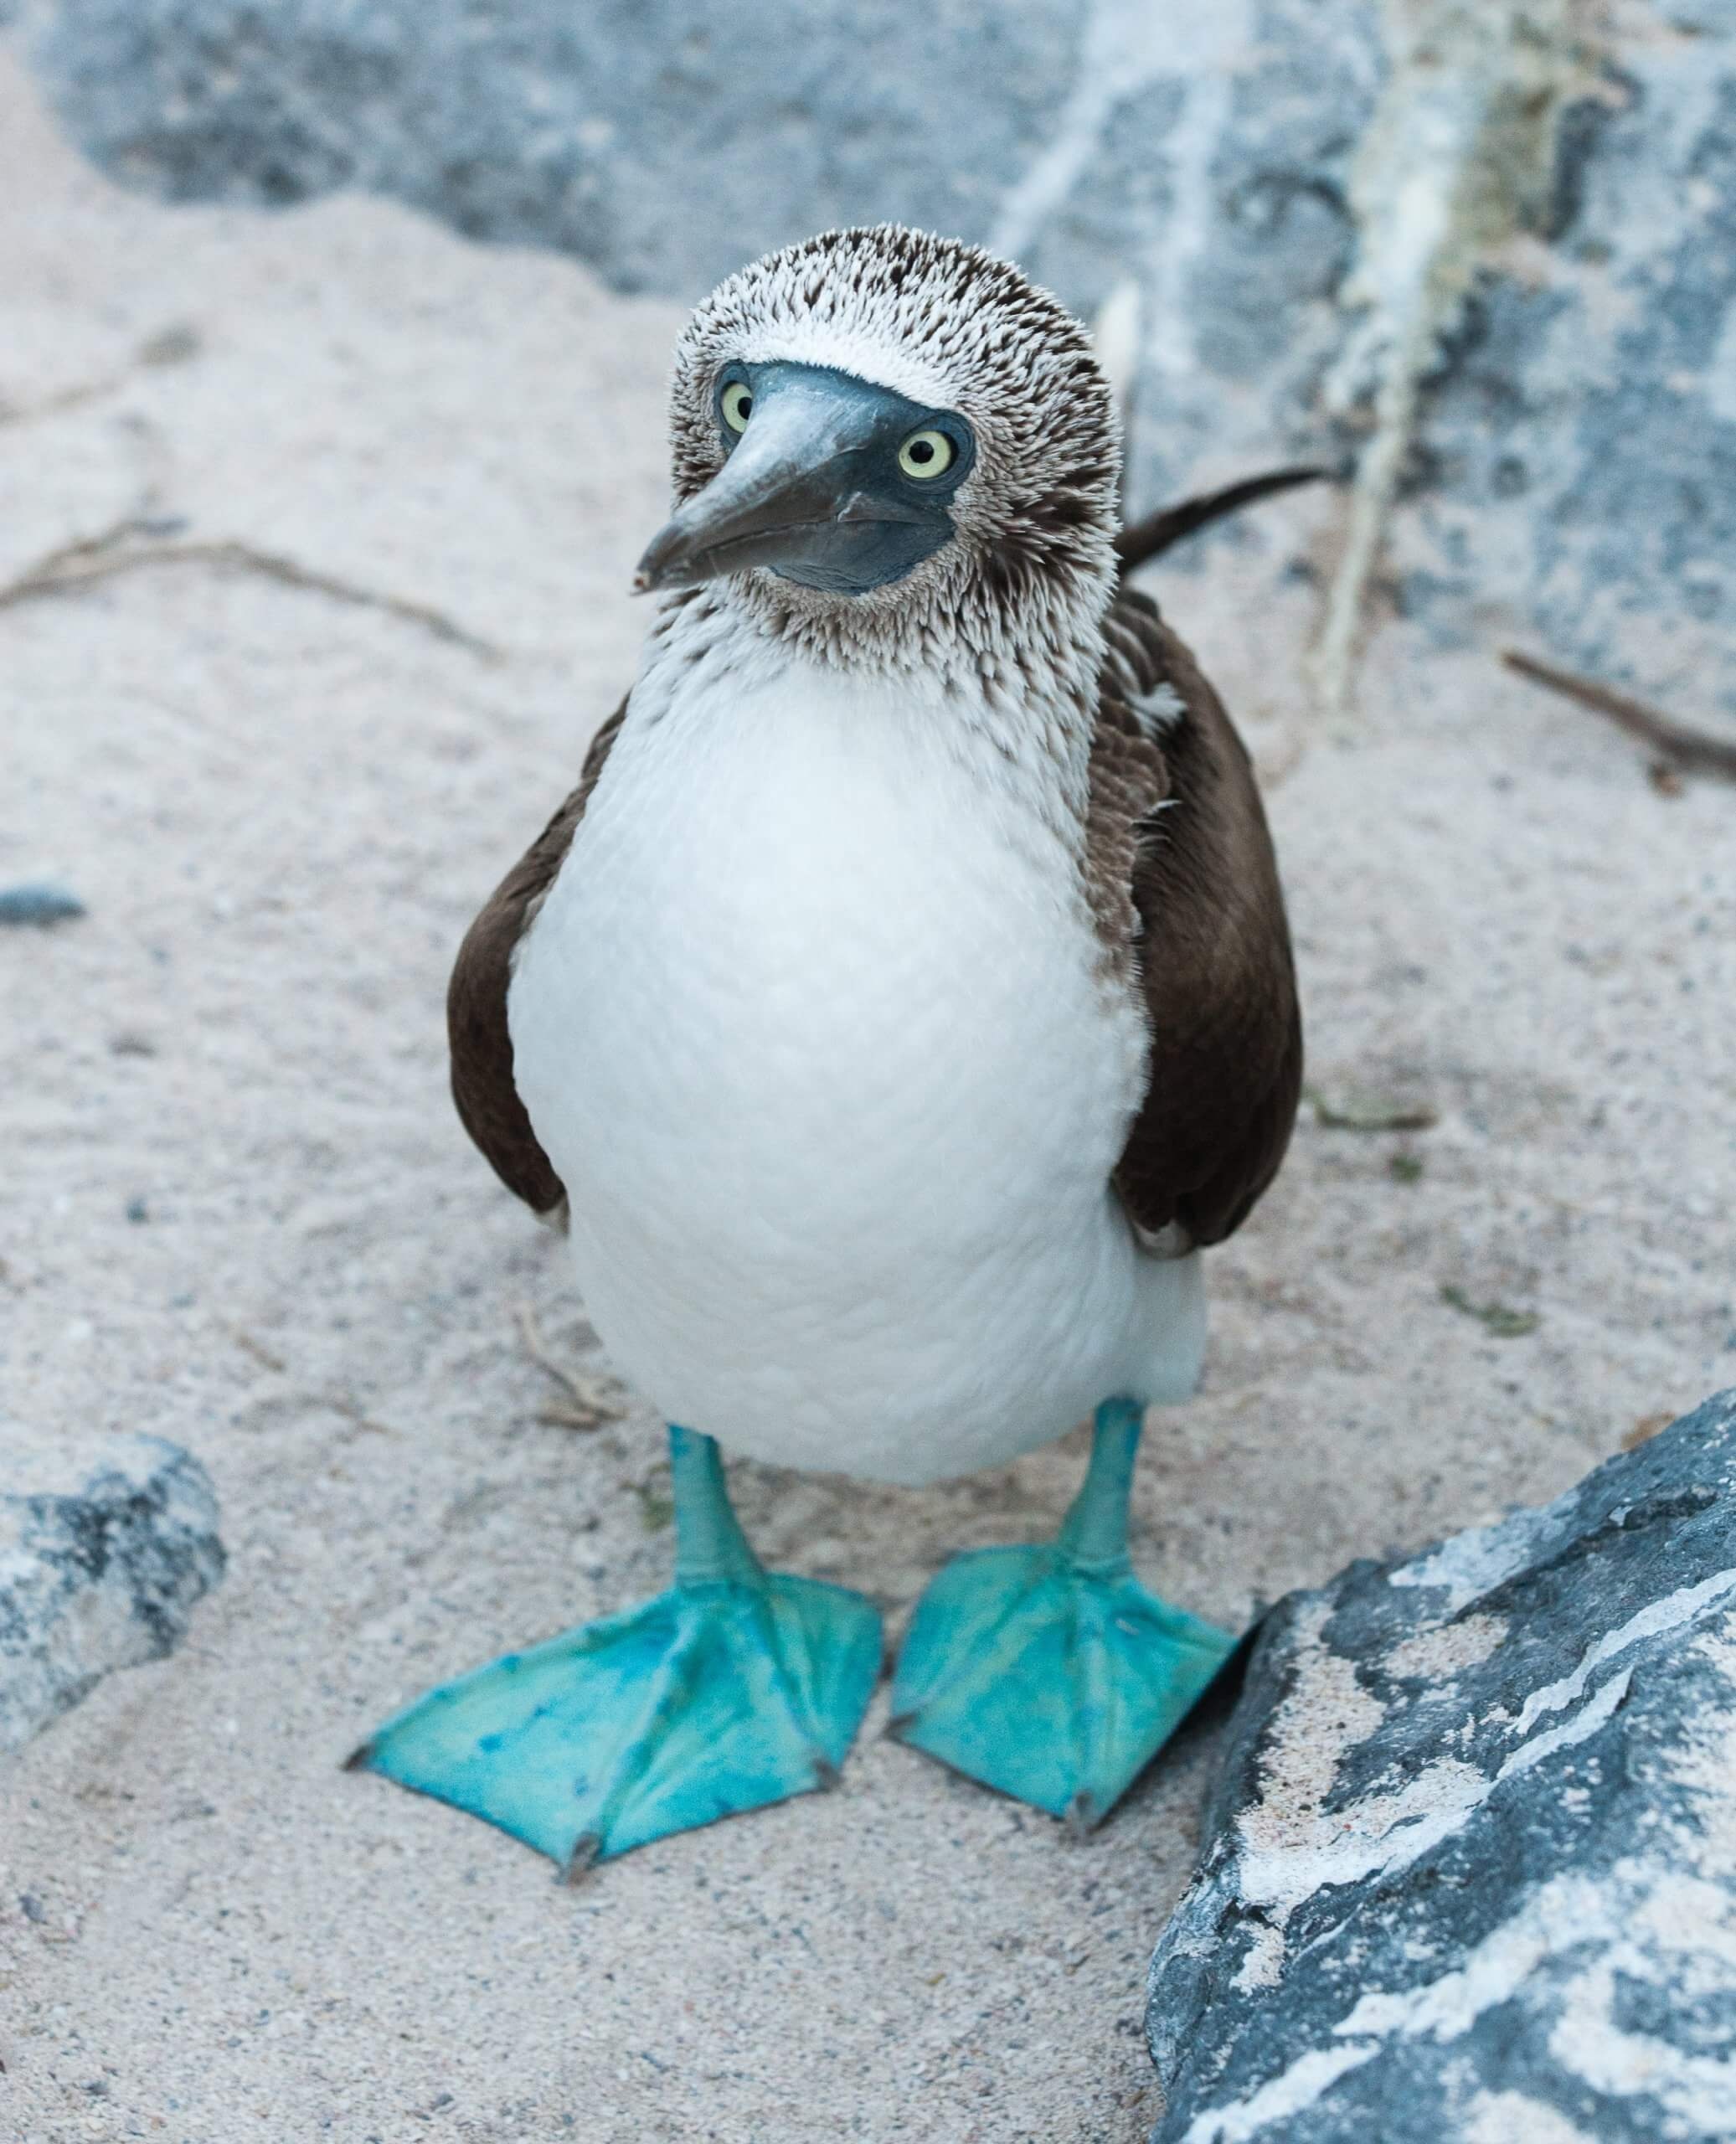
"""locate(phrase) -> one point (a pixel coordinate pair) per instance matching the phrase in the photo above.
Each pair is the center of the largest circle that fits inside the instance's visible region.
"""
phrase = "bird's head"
(879, 436)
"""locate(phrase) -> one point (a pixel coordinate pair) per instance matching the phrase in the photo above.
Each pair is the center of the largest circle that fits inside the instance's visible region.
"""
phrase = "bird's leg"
(1050, 1672)
(737, 1687)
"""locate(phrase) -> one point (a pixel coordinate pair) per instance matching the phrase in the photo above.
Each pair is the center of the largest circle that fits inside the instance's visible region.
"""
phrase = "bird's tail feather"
(1143, 540)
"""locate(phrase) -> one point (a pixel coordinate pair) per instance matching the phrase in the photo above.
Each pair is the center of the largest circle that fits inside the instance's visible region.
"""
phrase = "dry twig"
(1684, 747)
(118, 549)
(590, 1402)
(335, 1401)
(250, 1344)
(1500, 1320)
(1367, 1112)
(170, 346)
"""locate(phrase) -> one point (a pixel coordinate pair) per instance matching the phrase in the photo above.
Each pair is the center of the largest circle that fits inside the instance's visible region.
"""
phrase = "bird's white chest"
(811, 1028)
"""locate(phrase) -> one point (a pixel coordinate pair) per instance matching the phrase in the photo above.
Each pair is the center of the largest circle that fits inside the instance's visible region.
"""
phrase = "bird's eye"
(927, 454)
(737, 404)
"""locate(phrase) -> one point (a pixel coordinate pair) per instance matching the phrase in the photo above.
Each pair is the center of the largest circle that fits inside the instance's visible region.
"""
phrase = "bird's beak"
(805, 491)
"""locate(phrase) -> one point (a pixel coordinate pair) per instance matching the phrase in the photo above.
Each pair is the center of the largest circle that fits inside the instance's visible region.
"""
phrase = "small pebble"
(39, 903)
(172, 345)
(137, 1209)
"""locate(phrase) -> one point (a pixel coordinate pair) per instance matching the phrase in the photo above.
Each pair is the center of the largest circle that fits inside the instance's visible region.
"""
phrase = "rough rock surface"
(1578, 439)
(1488, 249)
(106, 1541)
(1204, 152)
(662, 141)
(1472, 1861)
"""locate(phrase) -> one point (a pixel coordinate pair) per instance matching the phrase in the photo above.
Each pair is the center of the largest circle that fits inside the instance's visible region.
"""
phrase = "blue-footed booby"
(897, 1006)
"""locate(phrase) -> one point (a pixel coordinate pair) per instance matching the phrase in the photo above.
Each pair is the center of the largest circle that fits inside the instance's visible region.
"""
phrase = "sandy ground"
(281, 809)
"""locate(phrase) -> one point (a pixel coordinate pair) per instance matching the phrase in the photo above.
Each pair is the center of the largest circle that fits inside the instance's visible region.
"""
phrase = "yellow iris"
(927, 454)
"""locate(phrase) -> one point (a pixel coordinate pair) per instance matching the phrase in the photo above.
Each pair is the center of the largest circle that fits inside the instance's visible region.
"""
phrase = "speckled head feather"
(1032, 567)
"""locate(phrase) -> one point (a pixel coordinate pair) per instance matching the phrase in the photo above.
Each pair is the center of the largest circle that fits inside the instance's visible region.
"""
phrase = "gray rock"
(1455, 238)
(1471, 1861)
(1577, 445)
(665, 141)
(1216, 176)
(39, 903)
(1205, 153)
(106, 1541)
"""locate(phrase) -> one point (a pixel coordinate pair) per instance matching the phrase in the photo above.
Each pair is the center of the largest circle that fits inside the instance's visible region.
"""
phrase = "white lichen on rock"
(1459, 160)
(1475, 1839)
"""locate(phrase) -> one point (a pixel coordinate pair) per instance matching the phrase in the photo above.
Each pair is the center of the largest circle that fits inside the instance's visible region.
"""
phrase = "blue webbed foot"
(705, 1702)
(735, 1690)
(1054, 1684)
(1050, 1672)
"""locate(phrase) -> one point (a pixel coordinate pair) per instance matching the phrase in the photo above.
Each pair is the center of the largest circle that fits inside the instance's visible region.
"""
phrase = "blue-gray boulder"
(106, 1541)
(1205, 154)
(1577, 439)
(663, 141)
(1487, 252)
(1471, 1868)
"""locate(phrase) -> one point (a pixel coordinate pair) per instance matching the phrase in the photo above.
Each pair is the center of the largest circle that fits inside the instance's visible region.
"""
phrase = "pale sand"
(282, 811)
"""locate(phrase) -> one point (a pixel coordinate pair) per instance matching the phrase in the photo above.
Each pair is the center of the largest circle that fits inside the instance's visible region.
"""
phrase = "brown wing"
(476, 1029)
(1175, 808)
